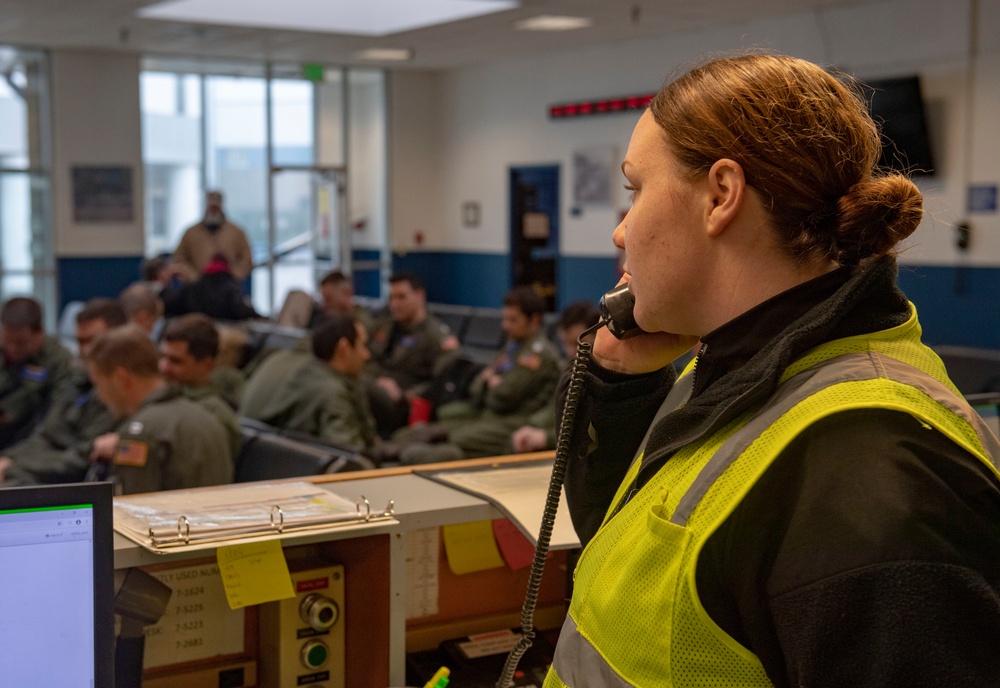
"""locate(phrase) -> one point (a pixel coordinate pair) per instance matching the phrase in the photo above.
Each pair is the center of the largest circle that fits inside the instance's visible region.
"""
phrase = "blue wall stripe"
(482, 279)
(84, 278)
(957, 305)
(472, 279)
(367, 282)
(585, 279)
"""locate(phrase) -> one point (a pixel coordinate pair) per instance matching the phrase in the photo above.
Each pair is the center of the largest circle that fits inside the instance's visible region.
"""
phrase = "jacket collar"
(742, 361)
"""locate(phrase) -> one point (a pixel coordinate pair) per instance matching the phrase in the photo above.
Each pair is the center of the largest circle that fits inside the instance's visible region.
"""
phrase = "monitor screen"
(897, 106)
(56, 586)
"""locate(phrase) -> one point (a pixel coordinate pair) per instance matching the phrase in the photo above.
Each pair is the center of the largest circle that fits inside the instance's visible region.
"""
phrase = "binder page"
(202, 519)
(519, 491)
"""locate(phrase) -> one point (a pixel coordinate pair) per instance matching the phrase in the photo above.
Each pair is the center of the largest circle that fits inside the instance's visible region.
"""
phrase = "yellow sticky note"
(471, 547)
(253, 573)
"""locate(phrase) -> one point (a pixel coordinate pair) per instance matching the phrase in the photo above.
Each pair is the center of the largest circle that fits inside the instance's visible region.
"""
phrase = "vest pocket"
(658, 523)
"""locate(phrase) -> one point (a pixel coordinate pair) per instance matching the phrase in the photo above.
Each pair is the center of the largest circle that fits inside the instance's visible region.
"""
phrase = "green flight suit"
(208, 397)
(171, 444)
(228, 384)
(545, 419)
(27, 388)
(482, 425)
(58, 450)
(296, 391)
(410, 356)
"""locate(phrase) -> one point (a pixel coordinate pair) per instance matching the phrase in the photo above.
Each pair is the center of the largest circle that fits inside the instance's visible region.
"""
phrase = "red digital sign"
(600, 107)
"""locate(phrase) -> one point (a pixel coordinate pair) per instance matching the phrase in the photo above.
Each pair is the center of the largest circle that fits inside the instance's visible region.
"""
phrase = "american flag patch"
(131, 453)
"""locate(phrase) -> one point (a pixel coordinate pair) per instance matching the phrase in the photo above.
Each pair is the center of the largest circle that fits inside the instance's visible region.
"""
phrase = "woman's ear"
(726, 187)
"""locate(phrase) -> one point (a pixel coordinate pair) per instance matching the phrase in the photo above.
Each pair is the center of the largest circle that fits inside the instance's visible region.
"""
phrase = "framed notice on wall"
(102, 193)
(592, 173)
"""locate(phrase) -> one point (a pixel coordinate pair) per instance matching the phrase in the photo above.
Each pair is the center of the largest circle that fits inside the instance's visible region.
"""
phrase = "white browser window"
(47, 597)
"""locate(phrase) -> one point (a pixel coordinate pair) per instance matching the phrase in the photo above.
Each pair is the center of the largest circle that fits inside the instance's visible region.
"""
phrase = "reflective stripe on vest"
(581, 662)
(844, 369)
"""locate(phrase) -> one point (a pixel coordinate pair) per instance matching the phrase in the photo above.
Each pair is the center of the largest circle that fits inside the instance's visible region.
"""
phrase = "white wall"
(470, 125)
(95, 121)
(416, 170)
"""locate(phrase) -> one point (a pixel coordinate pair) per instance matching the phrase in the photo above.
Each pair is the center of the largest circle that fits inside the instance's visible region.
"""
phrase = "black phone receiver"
(616, 310)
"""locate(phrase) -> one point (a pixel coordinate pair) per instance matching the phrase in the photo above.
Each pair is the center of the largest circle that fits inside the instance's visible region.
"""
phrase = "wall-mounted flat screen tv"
(897, 107)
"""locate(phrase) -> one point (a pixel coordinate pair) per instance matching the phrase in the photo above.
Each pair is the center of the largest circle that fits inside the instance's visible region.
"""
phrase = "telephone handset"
(616, 311)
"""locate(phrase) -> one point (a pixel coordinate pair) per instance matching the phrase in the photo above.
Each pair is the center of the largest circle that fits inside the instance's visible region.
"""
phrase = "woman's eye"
(631, 192)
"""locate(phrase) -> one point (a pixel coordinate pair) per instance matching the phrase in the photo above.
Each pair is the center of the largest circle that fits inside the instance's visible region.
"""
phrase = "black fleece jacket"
(869, 552)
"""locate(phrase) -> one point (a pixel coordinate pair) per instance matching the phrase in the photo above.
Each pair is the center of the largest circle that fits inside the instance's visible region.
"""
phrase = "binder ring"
(281, 518)
(368, 508)
(184, 530)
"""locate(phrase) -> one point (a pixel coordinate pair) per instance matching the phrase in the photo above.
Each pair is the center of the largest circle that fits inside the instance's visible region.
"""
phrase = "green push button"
(314, 654)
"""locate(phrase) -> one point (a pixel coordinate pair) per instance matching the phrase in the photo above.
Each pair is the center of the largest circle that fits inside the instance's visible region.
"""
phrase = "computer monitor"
(56, 586)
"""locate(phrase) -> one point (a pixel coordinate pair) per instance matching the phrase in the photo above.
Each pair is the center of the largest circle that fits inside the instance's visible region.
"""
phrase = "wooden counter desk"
(378, 632)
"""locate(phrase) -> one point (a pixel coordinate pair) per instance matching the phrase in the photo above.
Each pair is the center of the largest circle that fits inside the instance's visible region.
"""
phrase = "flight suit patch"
(408, 342)
(131, 453)
(502, 364)
(530, 361)
(34, 373)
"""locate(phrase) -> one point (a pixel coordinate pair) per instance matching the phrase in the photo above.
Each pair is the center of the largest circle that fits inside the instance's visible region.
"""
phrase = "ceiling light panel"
(365, 18)
(385, 54)
(548, 22)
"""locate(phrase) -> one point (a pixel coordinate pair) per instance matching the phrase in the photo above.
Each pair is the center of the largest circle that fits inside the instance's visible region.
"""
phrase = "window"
(228, 131)
(26, 259)
(172, 153)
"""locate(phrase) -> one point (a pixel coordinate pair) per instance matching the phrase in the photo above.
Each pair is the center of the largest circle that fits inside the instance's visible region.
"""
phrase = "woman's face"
(663, 234)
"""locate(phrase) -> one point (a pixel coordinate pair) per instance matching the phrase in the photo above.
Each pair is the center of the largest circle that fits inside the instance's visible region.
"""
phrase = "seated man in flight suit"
(143, 308)
(164, 441)
(188, 349)
(317, 393)
(503, 396)
(58, 450)
(34, 365)
(407, 350)
(539, 432)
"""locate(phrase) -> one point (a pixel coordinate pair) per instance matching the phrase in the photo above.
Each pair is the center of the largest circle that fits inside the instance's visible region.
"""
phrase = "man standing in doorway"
(213, 235)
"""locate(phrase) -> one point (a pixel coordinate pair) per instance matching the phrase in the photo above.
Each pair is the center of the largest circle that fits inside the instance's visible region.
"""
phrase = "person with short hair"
(539, 432)
(336, 296)
(58, 449)
(519, 383)
(142, 306)
(212, 236)
(812, 503)
(318, 392)
(407, 350)
(188, 350)
(34, 366)
(156, 274)
(164, 440)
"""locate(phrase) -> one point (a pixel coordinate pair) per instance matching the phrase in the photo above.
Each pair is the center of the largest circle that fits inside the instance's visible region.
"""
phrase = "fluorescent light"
(359, 17)
(385, 54)
(549, 22)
